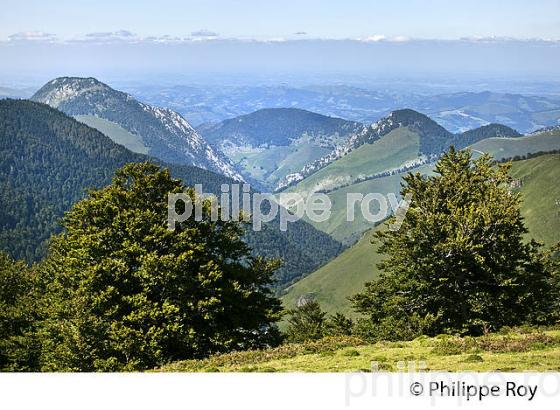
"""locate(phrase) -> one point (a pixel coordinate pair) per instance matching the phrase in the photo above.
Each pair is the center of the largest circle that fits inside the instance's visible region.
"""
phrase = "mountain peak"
(165, 133)
(62, 89)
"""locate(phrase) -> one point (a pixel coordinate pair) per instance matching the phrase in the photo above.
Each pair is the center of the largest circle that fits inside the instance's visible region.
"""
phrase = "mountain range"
(432, 138)
(405, 141)
(50, 155)
(456, 111)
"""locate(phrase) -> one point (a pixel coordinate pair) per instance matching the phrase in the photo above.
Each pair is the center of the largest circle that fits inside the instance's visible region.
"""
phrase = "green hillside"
(345, 275)
(348, 232)
(342, 277)
(114, 131)
(501, 148)
(541, 196)
(270, 165)
(391, 151)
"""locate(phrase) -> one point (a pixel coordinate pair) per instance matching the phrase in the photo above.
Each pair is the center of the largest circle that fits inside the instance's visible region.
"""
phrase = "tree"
(459, 262)
(19, 349)
(126, 293)
(306, 322)
(339, 325)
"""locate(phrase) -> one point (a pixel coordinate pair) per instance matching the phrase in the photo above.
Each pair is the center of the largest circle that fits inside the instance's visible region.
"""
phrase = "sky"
(141, 39)
(332, 19)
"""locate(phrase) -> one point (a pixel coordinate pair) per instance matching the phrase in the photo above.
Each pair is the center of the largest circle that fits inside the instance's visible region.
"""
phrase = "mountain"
(378, 166)
(49, 159)
(345, 275)
(487, 131)
(431, 137)
(160, 132)
(270, 143)
(456, 111)
(277, 127)
(461, 111)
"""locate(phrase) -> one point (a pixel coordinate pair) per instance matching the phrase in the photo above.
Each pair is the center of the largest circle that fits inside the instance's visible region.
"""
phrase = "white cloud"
(204, 33)
(119, 35)
(381, 37)
(375, 38)
(399, 39)
(32, 36)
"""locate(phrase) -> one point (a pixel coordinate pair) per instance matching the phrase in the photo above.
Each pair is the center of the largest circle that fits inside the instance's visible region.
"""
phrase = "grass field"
(346, 231)
(515, 350)
(114, 131)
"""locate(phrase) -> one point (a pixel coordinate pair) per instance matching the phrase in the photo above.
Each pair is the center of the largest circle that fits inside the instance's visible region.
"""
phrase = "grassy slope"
(389, 152)
(509, 147)
(114, 131)
(516, 351)
(345, 275)
(540, 191)
(338, 225)
(342, 277)
(273, 164)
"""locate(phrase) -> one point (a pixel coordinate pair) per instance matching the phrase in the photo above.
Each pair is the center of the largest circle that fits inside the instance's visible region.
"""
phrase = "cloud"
(32, 36)
(399, 39)
(300, 33)
(111, 35)
(381, 37)
(164, 39)
(204, 33)
(375, 38)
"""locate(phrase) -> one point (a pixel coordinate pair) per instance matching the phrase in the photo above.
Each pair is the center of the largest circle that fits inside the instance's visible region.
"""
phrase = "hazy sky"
(313, 38)
(436, 19)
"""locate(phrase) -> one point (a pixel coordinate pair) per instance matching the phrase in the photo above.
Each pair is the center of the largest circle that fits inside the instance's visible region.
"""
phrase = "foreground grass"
(509, 351)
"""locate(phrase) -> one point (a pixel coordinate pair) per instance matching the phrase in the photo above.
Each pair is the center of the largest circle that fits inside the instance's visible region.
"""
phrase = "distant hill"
(271, 143)
(278, 127)
(455, 111)
(160, 132)
(345, 275)
(8, 92)
(48, 160)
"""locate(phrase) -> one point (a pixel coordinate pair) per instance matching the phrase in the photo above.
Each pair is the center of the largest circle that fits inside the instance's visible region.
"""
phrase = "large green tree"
(459, 262)
(126, 293)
